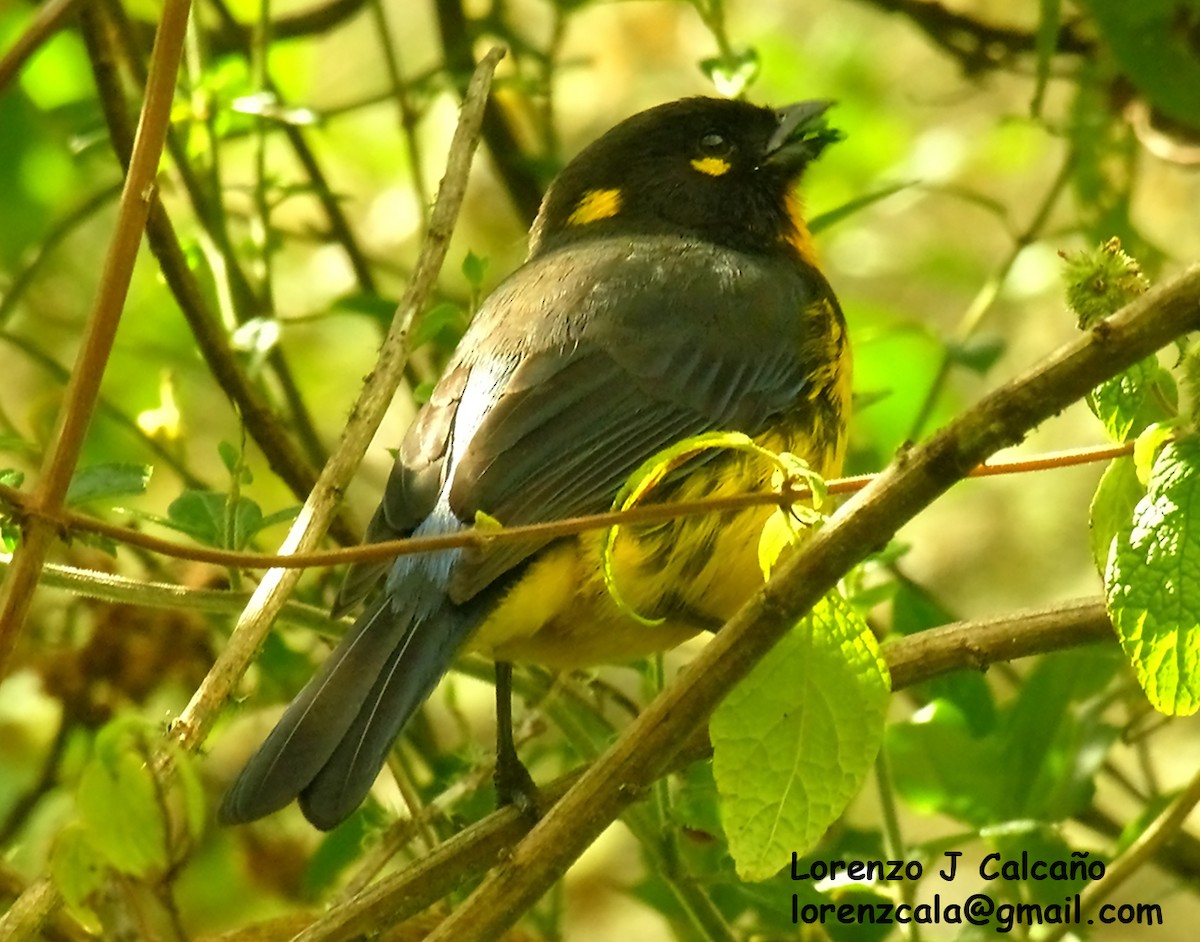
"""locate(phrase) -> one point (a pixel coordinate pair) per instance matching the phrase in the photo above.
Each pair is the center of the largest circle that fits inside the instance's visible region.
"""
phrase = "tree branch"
(514, 167)
(914, 480)
(912, 660)
(81, 394)
(978, 46)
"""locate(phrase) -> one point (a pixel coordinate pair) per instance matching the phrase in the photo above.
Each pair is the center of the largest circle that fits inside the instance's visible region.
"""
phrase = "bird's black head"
(717, 169)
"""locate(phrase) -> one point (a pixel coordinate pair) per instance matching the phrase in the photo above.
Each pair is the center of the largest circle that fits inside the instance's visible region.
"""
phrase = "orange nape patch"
(594, 206)
(798, 235)
(712, 166)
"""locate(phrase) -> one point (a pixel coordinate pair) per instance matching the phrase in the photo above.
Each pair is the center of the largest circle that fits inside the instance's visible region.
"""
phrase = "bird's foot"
(515, 786)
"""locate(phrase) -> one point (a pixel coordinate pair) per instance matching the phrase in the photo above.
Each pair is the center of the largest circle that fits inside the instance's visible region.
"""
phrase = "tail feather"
(408, 676)
(316, 721)
(333, 739)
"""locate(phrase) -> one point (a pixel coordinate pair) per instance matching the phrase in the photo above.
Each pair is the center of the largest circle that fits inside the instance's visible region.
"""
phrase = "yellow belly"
(693, 573)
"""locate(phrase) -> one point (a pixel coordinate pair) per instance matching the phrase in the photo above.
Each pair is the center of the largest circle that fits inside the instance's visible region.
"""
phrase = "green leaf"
(442, 322)
(825, 220)
(118, 802)
(11, 477)
(1038, 762)
(732, 74)
(1153, 43)
(1152, 582)
(105, 481)
(794, 741)
(231, 456)
(978, 354)
(205, 517)
(1116, 495)
(474, 268)
(915, 609)
(939, 766)
(1146, 448)
(1132, 401)
(79, 872)
(379, 309)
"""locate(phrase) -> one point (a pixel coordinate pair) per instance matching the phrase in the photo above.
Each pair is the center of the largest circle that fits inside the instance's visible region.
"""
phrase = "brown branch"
(368, 411)
(100, 332)
(512, 164)
(262, 424)
(69, 521)
(912, 660)
(247, 303)
(913, 481)
(49, 19)
(978, 46)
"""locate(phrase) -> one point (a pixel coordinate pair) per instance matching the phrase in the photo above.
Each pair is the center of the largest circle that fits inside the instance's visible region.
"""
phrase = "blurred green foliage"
(983, 139)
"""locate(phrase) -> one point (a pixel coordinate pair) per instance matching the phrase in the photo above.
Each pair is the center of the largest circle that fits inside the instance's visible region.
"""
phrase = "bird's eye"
(713, 144)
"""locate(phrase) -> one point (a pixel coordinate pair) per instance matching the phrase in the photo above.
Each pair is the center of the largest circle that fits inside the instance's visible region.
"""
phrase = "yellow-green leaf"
(793, 743)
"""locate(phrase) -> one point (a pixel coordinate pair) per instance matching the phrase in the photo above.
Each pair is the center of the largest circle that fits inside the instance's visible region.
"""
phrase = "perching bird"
(671, 289)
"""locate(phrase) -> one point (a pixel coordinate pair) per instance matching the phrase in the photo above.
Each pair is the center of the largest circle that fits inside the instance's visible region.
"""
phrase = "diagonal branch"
(911, 660)
(101, 330)
(914, 480)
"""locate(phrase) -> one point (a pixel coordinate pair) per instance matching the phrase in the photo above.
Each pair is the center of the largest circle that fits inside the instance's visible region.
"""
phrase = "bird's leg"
(514, 784)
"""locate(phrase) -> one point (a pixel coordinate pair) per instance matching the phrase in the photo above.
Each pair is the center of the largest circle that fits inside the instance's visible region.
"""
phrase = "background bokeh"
(980, 143)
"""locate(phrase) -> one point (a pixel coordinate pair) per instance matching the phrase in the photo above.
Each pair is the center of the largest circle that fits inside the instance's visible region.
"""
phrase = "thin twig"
(69, 521)
(1161, 830)
(193, 724)
(80, 400)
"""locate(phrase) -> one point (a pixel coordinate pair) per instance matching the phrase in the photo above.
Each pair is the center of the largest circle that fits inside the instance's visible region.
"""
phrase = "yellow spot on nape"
(712, 166)
(798, 235)
(594, 206)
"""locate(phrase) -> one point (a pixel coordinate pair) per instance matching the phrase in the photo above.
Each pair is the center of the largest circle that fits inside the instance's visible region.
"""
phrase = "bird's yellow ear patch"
(712, 166)
(594, 206)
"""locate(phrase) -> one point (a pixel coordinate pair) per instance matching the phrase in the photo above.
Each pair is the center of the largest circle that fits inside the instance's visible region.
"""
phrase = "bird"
(671, 289)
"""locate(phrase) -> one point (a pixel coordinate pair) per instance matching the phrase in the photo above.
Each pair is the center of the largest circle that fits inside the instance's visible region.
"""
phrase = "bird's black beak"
(801, 135)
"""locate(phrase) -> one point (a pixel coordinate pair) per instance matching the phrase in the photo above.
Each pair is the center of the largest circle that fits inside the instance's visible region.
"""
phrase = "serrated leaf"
(1133, 400)
(1152, 582)
(105, 481)
(11, 477)
(794, 741)
(1111, 512)
(204, 516)
(118, 803)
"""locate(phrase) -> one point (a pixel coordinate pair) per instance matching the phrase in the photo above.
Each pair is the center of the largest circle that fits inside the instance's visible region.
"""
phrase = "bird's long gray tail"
(334, 737)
